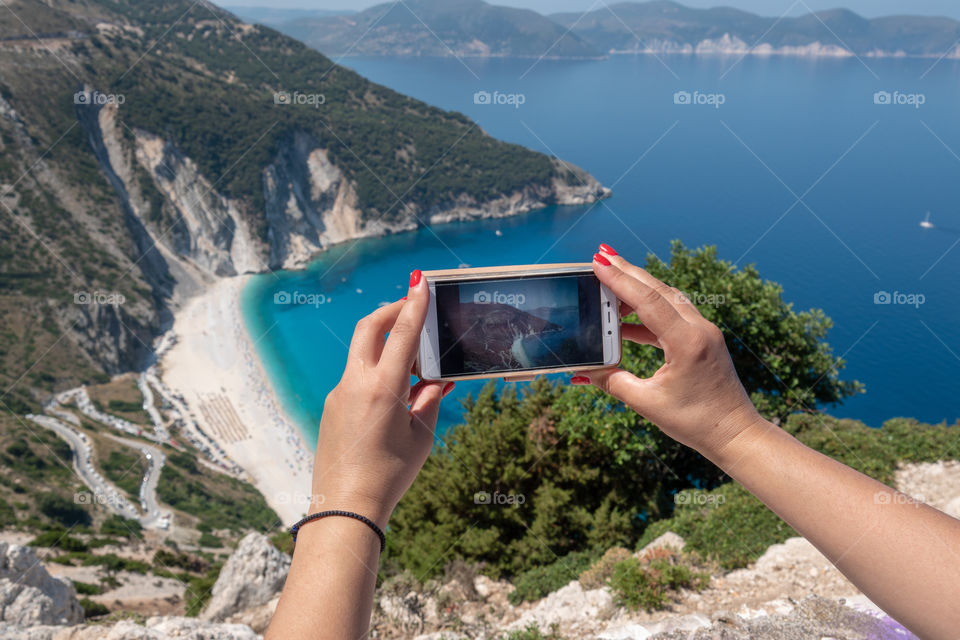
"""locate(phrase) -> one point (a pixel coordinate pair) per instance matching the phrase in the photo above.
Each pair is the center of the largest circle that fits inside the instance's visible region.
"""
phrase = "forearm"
(905, 556)
(329, 590)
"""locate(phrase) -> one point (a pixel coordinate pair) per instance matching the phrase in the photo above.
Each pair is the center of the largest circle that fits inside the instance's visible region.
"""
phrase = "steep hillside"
(149, 148)
(666, 26)
(439, 28)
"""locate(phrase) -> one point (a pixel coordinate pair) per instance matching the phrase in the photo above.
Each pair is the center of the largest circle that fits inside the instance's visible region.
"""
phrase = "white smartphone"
(517, 322)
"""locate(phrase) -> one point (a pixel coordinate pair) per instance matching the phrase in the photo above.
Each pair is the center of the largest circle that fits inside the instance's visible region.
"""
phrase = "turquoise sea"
(803, 167)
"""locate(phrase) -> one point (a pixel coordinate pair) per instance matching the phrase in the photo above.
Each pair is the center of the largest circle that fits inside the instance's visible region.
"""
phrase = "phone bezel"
(428, 354)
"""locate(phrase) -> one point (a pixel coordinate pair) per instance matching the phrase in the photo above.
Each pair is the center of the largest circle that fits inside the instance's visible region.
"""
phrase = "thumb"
(621, 384)
(426, 405)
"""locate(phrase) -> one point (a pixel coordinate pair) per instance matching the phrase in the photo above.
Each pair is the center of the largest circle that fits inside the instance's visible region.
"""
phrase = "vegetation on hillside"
(538, 484)
(215, 500)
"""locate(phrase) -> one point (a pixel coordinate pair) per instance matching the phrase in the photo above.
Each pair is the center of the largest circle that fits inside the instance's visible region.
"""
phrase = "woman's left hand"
(377, 431)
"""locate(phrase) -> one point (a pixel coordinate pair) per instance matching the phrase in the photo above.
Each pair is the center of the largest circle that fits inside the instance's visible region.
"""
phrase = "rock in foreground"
(253, 575)
(29, 595)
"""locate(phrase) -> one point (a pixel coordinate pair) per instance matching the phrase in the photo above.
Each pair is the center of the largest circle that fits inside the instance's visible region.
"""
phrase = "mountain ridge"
(473, 28)
(463, 28)
(664, 26)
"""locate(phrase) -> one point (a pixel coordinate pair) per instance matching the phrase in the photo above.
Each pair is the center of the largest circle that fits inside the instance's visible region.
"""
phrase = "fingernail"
(607, 249)
(447, 388)
(415, 277)
(602, 259)
(404, 298)
(579, 380)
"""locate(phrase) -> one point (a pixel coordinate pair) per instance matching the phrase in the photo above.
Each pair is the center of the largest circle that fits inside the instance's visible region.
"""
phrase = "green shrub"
(592, 473)
(541, 581)
(283, 541)
(732, 529)
(93, 609)
(218, 501)
(63, 510)
(86, 589)
(112, 562)
(533, 632)
(639, 586)
(117, 525)
(123, 406)
(58, 539)
(167, 560)
(200, 589)
(125, 468)
(99, 543)
(209, 540)
(598, 573)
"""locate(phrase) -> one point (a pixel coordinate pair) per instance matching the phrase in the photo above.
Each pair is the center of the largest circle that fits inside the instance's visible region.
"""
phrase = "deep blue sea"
(787, 163)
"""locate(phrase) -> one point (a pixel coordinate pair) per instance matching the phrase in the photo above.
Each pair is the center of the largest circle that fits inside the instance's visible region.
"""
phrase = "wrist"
(357, 502)
(747, 429)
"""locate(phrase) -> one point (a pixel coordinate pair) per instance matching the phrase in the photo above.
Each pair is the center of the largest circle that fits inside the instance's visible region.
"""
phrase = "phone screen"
(524, 323)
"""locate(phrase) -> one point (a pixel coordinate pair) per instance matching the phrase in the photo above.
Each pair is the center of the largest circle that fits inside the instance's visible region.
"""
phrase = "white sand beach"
(214, 367)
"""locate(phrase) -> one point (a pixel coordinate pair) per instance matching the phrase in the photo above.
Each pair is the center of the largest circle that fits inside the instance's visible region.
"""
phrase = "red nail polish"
(415, 277)
(602, 259)
(447, 388)
(607, 249)
(404, 298)
(579, 380)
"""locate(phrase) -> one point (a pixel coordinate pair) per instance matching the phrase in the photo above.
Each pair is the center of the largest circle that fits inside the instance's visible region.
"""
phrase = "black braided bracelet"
(348, 514)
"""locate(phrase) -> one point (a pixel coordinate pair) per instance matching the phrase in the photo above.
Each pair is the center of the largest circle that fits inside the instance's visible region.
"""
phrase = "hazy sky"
(868, 8)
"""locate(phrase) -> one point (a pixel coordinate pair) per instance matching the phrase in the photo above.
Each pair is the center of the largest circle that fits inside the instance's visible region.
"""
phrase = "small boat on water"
(498, 232)
(925, 223)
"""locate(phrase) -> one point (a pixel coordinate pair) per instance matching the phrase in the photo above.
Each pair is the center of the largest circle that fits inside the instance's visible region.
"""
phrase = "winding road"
(104, 492)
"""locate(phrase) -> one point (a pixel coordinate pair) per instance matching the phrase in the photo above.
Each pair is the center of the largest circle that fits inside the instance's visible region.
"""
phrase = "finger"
(400, 351)
(625, 309)
(367, 341)
(415, 391)
(685, 306)
(622, 385)
(425, 410)
(639, 334)
(677, 298)
(651, 307)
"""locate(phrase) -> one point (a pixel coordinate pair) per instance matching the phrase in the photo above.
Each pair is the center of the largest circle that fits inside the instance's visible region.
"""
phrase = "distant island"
(474, 28)
(463, 28)
(662, 26)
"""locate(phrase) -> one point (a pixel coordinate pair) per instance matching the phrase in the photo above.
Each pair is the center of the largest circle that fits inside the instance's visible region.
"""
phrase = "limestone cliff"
(309, 205)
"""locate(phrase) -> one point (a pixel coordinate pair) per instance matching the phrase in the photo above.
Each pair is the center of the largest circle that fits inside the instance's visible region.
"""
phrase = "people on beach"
(376, 432)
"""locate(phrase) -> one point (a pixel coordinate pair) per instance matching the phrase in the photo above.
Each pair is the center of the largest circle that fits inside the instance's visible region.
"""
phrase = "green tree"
(592, 473)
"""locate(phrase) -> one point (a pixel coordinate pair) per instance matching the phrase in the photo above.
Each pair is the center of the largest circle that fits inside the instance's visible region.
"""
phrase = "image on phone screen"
(530, 322)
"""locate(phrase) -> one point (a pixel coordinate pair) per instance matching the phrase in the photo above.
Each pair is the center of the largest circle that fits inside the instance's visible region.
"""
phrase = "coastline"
(215, 367)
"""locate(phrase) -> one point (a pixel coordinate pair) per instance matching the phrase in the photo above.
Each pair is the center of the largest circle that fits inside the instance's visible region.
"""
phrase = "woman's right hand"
(695, 397)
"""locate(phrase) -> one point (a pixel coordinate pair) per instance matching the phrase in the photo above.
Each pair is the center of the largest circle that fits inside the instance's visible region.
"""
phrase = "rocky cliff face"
(309, 205)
